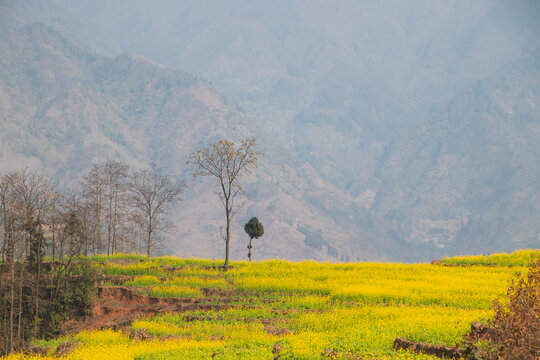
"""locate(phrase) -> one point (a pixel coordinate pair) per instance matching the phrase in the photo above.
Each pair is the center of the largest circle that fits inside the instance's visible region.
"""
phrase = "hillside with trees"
(65, 108)
(407, 131)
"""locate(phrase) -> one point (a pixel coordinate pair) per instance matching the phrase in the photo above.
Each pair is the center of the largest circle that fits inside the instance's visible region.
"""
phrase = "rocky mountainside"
(405, 130)
(474, 168)
(62, 107)
(313, 75)
(469, 179)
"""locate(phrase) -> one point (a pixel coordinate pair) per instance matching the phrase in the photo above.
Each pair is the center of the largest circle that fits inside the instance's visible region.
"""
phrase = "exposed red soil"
(272, 330)
(117, 306)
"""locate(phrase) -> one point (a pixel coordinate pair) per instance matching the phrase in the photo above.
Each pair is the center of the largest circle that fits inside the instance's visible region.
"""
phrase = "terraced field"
(172, 308)
(517, 258)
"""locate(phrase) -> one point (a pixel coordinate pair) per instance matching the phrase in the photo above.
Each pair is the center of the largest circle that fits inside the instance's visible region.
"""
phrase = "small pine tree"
(255, 230)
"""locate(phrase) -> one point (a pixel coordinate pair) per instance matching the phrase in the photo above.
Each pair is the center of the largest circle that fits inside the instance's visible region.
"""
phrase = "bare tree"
(133, 232)
(227, 164)
(31, 214)
(74, 204)
(27, 197)
(93, 188)
(152, 195)
(115, 176)
(52, 221)
(7, 200)
(8, 287)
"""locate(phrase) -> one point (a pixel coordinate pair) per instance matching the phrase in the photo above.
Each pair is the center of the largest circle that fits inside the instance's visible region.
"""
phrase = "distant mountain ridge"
(64, 107)
(406, 131)
(469, 180)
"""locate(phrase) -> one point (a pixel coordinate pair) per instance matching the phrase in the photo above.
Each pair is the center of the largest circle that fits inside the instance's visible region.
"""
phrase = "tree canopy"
(227, 163)
(255, 230)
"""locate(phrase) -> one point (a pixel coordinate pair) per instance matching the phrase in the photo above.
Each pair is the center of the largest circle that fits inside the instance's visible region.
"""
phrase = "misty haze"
(279, 179)
(396, 131)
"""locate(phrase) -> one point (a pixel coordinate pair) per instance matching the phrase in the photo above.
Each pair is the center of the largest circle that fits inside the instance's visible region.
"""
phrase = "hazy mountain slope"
(398, 111)
(310, 73)
(63, 107)
(470, 178)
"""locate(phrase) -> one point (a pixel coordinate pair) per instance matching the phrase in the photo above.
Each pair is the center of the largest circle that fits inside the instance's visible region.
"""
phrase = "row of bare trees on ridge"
(115, 210)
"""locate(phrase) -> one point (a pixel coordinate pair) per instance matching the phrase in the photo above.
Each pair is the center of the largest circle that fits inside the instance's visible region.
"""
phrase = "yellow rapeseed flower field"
(304, 310)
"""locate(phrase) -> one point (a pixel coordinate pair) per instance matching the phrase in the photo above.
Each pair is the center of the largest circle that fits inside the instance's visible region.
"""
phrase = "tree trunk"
(228, 232)
(38, 278)
(98, 218)
(62, 242)
(12, 286)
(149, 239)
(86, 236)
(114, 222)
(5, 246)
(249, 249)
(53, 239)
(109, 225)
(20, 309)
